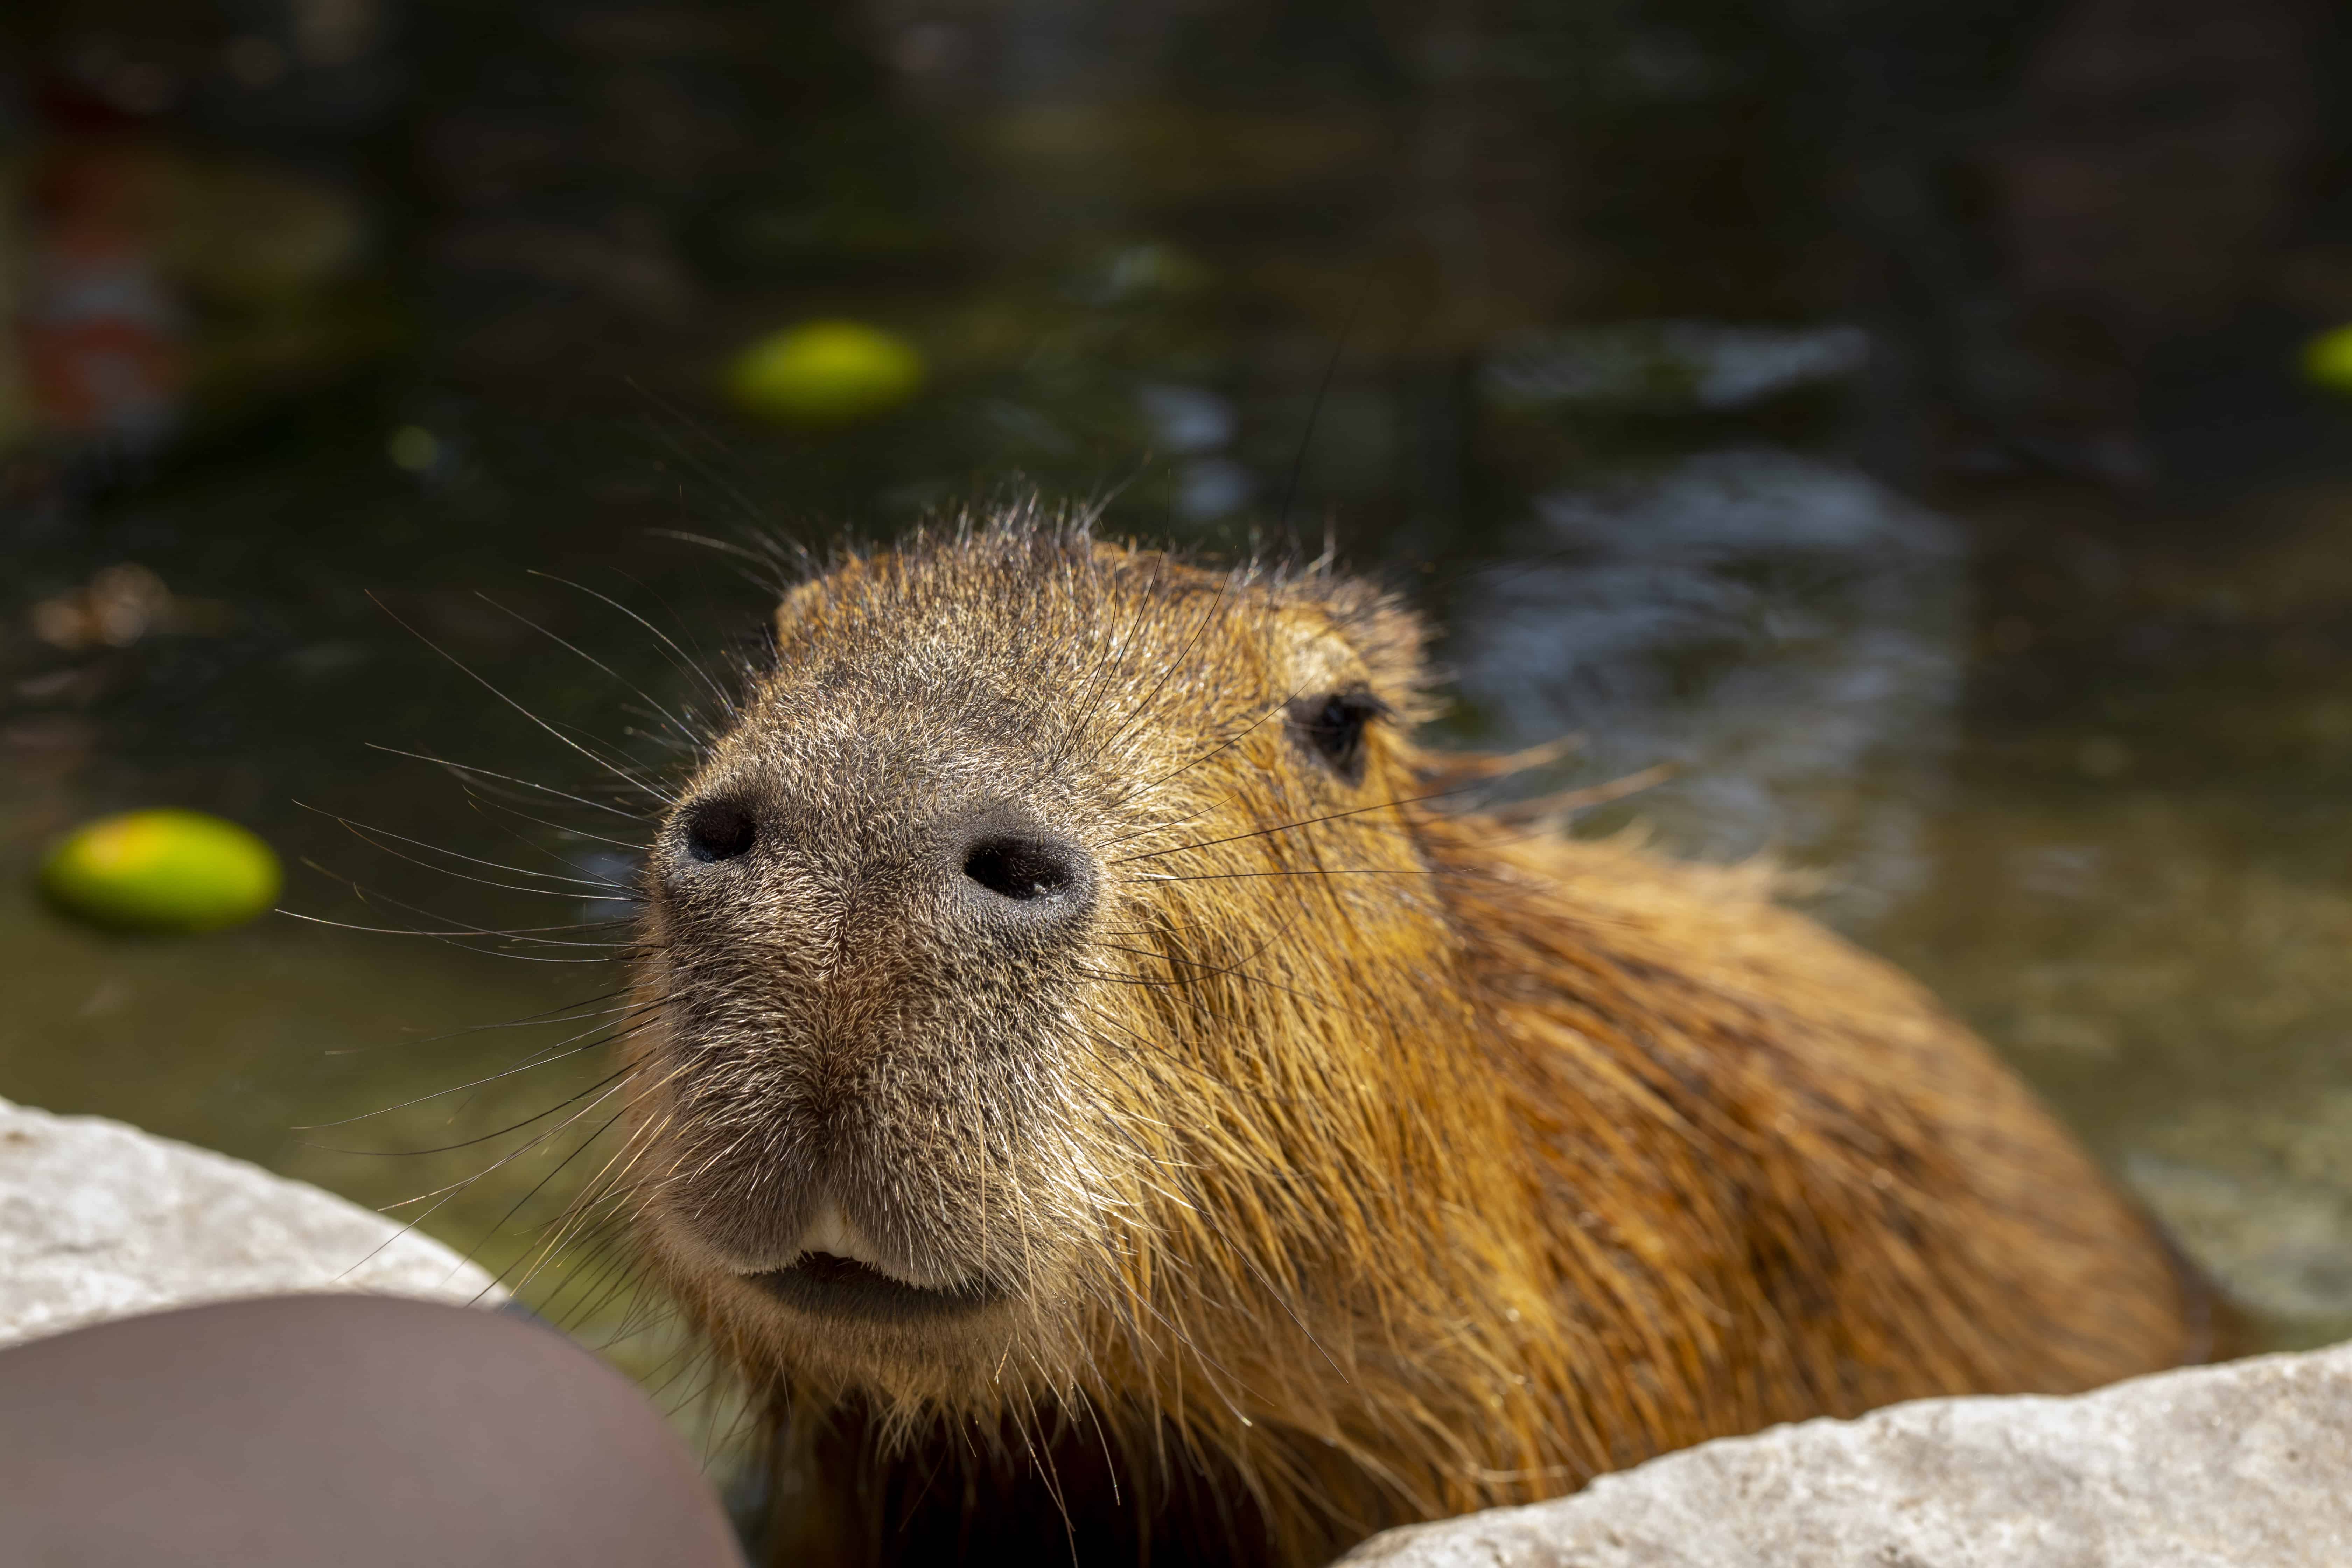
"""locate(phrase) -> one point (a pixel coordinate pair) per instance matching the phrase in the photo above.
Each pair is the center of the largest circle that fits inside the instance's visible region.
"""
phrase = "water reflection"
(1782, 630)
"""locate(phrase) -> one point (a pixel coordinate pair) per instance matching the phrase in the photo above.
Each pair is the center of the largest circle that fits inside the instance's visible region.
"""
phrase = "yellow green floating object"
(825, 374)
(2327, 359)
(162, 870)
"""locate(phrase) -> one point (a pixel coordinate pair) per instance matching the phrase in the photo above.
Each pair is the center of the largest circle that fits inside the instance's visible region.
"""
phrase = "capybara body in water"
(1111, 1099)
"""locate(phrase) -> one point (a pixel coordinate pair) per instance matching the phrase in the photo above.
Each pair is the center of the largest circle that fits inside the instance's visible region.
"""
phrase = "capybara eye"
(1333, 725)
(718, 830)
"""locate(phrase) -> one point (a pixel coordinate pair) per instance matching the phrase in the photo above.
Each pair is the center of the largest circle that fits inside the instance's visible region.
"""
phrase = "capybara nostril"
(1113, 1071)
(720, 829)
(1027, 868)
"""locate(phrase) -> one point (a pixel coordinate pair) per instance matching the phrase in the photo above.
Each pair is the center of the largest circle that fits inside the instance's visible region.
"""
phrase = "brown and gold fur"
(1363, 1159)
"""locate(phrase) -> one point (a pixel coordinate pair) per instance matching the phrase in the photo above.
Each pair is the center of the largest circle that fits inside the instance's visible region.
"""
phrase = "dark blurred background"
(1915, 421)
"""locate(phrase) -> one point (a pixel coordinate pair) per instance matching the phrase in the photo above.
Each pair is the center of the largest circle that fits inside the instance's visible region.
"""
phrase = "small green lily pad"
(162, 870)
(823, 373)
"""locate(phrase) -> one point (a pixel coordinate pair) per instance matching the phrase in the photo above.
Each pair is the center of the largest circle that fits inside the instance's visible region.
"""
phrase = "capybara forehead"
(1008, 620)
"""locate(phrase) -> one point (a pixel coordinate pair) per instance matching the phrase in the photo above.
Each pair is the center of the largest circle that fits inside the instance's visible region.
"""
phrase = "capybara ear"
(1390, 638)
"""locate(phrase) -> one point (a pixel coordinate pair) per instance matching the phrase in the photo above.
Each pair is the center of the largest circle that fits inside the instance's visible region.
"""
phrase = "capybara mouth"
(825, 1285)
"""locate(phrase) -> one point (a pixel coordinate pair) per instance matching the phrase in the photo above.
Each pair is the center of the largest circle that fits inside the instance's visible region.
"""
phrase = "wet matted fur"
(1283, 1153)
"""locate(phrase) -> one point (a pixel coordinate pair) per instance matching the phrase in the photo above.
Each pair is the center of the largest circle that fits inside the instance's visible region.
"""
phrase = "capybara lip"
(1107, 1108)
(825, 1285)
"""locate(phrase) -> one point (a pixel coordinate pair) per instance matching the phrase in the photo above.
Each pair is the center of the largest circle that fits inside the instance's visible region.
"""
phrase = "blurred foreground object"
(99, 1220)
(298, 1431)
(162, 870)
(825, 373)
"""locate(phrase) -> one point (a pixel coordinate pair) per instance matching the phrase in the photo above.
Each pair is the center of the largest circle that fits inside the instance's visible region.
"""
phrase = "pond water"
(2048, 692)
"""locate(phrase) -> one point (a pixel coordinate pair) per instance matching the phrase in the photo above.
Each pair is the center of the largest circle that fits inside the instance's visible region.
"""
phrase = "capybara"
(1116, 1101)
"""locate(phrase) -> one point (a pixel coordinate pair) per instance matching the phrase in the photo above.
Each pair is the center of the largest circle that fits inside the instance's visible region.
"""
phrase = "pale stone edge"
(387, 1258)
(1614, 1518)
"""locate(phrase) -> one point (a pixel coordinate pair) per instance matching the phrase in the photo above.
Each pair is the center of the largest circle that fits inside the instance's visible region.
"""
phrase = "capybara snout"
(1106, 1089)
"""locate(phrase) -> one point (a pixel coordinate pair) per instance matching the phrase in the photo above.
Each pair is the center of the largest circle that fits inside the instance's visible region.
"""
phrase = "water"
(2046, 687)
(2140, 885)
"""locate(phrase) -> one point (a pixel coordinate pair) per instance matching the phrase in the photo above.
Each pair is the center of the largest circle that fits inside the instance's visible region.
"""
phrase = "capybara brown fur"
(1113, 1101)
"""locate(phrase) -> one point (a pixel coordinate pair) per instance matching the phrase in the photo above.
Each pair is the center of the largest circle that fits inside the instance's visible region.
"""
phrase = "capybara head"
(1040, 963)
(1072, 1027)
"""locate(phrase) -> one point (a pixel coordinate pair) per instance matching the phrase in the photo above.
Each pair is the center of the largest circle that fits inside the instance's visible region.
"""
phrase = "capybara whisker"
(468, 771)
(679, 660)
(364, 830)
(1214, 752)
(452, 936)
(537, 1059)
(679, 726)
(608, 1084)
(1289, 871)
(1219, 971)
(642, 786)
(1293, 826)
(1382, 1157)
(481, 800)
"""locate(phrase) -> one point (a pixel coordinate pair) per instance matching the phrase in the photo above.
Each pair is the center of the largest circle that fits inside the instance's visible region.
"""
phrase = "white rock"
(99, 1220)
(2231, 1467)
